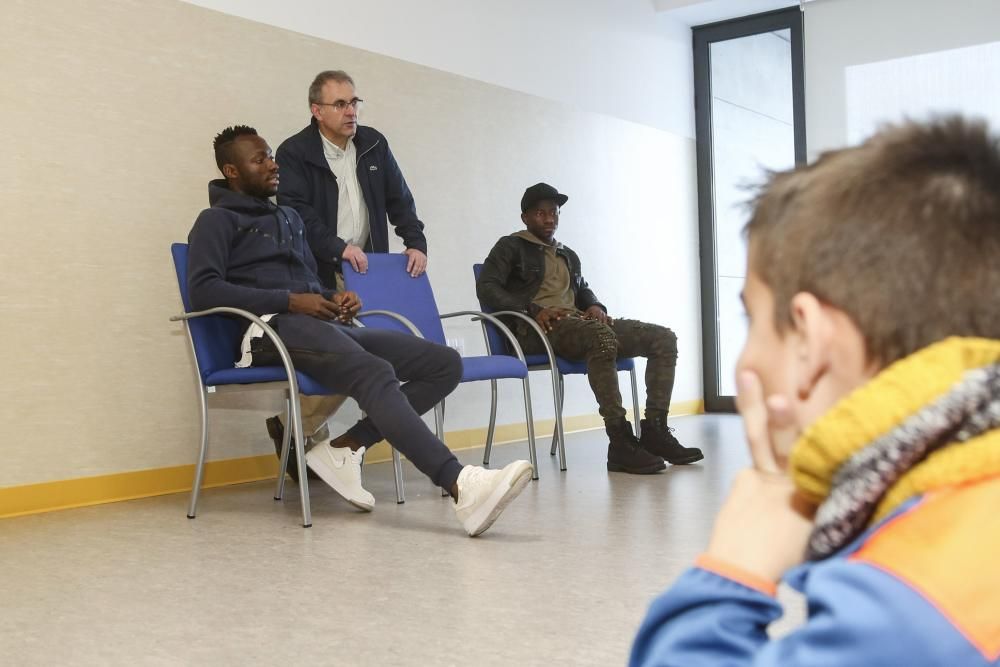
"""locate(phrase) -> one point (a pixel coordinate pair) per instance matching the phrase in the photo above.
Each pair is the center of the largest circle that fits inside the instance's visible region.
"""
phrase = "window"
(749, 119)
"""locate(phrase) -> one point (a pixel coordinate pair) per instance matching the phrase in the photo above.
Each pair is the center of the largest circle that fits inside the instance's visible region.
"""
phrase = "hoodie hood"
(221, 196)
(246, 252)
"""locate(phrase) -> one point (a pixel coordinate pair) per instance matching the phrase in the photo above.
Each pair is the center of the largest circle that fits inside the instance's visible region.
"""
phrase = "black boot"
(625, 454)
(658, 438)
(276, 430)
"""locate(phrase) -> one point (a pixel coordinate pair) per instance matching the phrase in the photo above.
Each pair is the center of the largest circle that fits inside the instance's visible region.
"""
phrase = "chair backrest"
(497, 342)
(387, 286)
(215, 337)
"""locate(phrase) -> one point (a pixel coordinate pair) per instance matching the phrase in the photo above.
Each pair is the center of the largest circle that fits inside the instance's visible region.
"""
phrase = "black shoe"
(658, 438)
(625, 454)
(276, 430)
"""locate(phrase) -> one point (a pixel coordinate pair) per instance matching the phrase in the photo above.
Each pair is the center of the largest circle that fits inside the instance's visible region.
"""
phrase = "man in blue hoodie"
(246, 252)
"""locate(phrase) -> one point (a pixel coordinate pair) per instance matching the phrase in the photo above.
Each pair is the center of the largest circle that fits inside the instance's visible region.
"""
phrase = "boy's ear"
(230, 171)
(815, 332)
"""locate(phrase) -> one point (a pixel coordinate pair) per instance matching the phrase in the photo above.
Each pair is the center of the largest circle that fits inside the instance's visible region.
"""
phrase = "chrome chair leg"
(558, 438)
(279, 490)
(557, 430)
(439, 431)
(300, 453)
(531, 429)
(439, 422)
(493, 423)
(636, 417)
(560, 426)
(557, 387)
(397, 469)
(199, 469)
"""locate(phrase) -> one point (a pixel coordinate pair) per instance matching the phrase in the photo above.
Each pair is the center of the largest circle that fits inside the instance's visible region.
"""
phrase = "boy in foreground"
(869, 386)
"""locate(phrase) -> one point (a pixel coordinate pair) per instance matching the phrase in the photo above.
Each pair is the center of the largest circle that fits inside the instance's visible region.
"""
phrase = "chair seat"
(492, 367)
(257, 374)
(567, 367)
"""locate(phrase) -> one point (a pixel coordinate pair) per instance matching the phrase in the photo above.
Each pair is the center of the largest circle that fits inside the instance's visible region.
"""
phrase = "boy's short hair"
(901, 233)
(223, 142)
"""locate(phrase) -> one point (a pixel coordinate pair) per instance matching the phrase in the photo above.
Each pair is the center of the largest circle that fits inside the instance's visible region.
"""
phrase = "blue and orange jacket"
(921, 586)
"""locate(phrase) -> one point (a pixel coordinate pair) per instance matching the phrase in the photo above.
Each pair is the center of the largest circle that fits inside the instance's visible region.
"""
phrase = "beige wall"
(108, 110)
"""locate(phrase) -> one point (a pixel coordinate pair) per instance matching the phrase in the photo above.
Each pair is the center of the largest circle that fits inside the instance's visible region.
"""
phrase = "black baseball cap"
(540, 192)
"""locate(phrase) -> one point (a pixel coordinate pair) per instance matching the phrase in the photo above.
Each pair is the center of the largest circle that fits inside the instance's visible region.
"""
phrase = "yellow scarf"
(879, 406)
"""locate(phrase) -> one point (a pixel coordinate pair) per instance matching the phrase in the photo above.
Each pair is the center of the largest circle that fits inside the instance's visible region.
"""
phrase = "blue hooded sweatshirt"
(246, 252)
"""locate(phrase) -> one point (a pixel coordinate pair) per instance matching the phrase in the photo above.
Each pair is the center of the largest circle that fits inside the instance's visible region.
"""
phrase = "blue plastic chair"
(550, 361)
(392, 299)
(214, 335)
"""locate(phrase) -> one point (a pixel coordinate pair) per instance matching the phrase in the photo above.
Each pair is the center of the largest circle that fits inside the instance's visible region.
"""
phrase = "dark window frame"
(702, 38)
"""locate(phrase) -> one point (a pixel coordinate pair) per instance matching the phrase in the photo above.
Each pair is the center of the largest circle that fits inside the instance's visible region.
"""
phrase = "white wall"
(701, 12)
(616, 57)
(842, 33)
(918, 87)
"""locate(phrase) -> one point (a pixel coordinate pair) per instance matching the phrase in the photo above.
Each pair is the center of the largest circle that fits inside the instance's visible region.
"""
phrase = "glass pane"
(752, 132)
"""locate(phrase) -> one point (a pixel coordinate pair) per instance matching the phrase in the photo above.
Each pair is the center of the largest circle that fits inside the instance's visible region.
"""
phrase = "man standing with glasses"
(530, 272)
(344, 182)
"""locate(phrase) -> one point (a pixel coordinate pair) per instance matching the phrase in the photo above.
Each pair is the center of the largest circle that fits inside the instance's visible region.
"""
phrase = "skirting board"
(85, 491)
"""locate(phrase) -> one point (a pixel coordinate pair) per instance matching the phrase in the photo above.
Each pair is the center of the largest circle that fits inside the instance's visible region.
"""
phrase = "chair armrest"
(396, 316)
(479, 316)
(538, 330)
(286, 360)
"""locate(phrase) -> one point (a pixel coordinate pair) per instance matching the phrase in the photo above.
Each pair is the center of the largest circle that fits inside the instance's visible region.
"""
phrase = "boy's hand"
(348, 304)
(763, 526)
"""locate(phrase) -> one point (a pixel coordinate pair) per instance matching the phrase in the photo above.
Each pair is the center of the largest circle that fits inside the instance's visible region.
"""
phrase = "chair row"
(394, 300)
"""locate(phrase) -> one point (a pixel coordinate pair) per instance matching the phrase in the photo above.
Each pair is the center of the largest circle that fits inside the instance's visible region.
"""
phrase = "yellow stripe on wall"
(81, 492)
(85, 491)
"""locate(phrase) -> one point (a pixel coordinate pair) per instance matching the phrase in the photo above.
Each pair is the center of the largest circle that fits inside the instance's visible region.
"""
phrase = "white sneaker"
(483, 494)
(340, 467)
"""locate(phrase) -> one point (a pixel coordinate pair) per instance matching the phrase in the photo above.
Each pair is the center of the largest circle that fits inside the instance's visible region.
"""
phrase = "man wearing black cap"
(529, 271)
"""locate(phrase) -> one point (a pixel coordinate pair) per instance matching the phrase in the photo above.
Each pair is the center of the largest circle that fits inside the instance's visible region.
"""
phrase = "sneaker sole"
(690, 459)
(331, 480)
(651, 469)
(508, 489)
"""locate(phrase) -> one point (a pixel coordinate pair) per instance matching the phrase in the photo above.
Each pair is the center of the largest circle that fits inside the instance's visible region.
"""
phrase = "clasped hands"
(547, 317)
(342, 306)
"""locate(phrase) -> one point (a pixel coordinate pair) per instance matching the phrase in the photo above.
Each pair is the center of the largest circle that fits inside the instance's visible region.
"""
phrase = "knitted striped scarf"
(970, 408)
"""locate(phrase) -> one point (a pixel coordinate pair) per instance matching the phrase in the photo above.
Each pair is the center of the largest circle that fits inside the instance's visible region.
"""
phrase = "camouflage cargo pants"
(600, 345)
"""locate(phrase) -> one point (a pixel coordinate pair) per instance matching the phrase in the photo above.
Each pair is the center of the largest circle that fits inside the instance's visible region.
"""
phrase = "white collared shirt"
(352, 212)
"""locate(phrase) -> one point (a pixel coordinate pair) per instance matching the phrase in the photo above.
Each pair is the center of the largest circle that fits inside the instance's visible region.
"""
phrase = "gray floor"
(563, 578)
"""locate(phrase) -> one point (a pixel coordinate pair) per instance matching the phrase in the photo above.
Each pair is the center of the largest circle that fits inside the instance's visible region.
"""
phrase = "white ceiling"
(697, 12)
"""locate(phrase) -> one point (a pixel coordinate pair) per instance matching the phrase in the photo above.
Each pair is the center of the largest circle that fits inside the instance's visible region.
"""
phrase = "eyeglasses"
(340, 105)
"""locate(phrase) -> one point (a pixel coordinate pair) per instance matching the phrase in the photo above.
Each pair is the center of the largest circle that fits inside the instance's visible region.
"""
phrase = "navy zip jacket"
(308, 186)
(248, 253)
